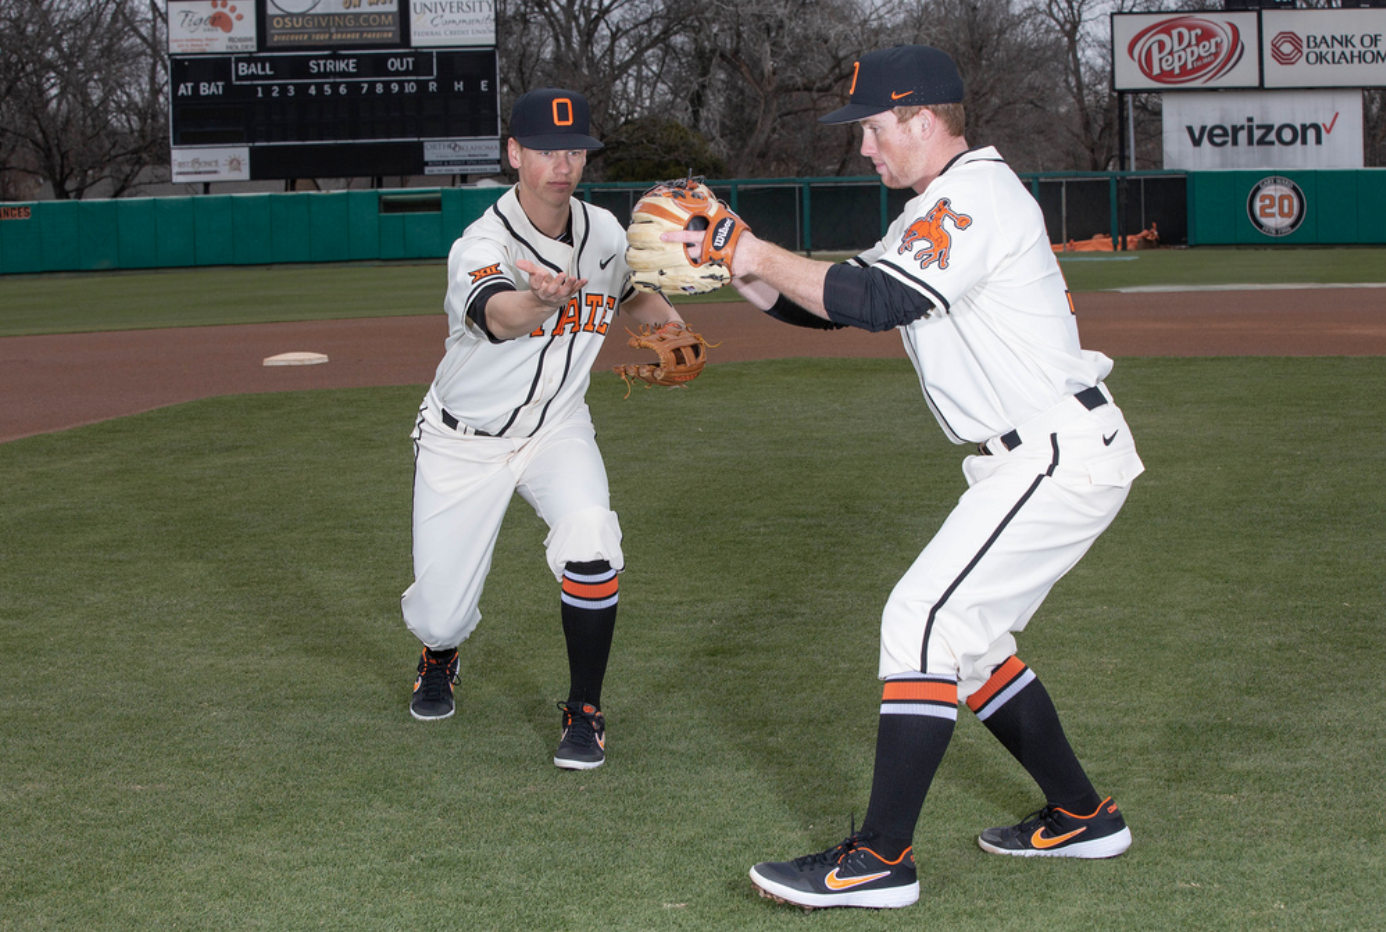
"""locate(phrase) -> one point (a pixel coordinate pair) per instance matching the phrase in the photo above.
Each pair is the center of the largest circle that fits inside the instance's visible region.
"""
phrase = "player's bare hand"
(693, 240)
(549, 289)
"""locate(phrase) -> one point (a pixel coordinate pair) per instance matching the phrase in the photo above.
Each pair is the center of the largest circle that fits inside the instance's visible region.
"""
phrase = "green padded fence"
(235, 229)
(1338, 208)
(841, 214)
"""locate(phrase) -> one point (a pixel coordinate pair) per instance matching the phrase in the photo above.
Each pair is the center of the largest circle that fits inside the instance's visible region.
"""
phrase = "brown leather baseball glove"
(682, 355)
(667, 268)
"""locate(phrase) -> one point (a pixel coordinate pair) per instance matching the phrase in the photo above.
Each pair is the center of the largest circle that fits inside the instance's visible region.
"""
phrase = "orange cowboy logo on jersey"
(478, 274)
(930, 231)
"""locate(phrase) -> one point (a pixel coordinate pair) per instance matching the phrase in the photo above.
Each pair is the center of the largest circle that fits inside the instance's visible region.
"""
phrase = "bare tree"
(85, 93)
(613, 52)
(777, 64)
(1090, 106)
(1374, 127)
(1011, 66)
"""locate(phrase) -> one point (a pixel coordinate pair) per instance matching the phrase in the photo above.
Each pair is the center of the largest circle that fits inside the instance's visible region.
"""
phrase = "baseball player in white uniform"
(967, 276)
(533, 286)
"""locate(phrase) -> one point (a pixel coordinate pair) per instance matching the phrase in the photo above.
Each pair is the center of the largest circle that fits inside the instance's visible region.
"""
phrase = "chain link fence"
(850, 214)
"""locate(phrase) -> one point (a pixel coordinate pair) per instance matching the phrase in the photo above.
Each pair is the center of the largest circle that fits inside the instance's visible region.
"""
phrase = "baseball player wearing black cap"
(967, 276)
(533, 286)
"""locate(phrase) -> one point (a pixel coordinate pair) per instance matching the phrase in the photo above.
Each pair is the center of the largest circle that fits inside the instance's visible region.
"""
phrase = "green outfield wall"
(840, 214)
(1299, 208)
(236, 229)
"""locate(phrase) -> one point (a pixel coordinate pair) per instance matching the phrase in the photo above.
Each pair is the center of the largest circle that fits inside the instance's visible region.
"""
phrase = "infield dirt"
(52, 383)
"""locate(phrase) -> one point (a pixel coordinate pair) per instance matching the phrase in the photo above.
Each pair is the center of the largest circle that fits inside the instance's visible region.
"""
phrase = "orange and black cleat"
(433, 687)
(1057, 833)
(850, 874)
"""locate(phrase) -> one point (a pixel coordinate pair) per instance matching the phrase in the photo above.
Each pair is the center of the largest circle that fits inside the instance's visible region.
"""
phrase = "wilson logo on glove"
(722, 232)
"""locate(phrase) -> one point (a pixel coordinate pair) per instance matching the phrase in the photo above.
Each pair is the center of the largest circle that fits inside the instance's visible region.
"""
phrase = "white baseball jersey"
(1001, 344)
(509, 417)
(512, 388)
(999, 360)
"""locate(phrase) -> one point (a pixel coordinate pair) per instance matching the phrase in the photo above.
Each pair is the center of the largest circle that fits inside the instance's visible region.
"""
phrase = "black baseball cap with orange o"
(903, 76)
(552, 118)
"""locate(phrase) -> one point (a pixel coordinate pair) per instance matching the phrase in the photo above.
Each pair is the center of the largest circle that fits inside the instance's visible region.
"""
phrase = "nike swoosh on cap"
(895, 96)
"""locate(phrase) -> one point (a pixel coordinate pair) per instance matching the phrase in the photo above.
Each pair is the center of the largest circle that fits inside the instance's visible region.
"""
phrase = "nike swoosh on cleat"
(834, 882)
(607, 261)
(1107, 441)
(1042, 841)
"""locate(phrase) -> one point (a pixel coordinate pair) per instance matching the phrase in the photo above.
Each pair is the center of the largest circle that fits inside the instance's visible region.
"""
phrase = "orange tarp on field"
(1146, 239)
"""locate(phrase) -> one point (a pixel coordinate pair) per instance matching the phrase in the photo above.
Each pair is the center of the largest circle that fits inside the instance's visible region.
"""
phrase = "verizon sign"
(1324, 48)
(1263, 129)
(1184, 51)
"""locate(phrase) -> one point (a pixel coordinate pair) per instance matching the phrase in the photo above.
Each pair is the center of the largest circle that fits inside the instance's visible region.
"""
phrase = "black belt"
(1089, 398)
(454, 424)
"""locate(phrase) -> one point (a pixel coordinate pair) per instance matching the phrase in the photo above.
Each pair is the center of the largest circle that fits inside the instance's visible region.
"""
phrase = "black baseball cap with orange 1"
(552, 118)
(903, 76)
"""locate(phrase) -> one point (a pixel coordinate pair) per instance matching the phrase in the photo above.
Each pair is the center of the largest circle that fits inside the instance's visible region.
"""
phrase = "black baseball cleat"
(432, 700)
(851, 874)
(1057, 833)
(583, 744)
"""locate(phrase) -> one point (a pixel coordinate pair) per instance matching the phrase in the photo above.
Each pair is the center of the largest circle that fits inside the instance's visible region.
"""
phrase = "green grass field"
(251, 295)
(204, 677)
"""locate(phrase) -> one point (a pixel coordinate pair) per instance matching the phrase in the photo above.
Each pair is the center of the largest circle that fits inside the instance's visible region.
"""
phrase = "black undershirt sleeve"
(791, 313)
(871, 299)
(477, 310)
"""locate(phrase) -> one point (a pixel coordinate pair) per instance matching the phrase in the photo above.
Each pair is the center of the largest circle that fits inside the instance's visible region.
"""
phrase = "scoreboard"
(318, 109)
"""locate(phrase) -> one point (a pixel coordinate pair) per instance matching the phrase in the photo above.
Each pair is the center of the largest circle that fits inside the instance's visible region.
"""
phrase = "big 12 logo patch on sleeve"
(485, 272)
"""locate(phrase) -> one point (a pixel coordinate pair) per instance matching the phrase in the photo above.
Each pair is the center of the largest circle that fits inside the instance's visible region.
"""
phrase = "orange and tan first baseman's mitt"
(672, 207)
(682, 355)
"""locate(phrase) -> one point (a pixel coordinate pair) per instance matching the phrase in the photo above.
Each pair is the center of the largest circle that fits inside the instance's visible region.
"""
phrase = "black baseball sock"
(588, 608)
(1016, 708)
(917, 719)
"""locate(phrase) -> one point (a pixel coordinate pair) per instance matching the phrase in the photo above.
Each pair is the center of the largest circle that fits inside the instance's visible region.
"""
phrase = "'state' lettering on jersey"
(590, 315)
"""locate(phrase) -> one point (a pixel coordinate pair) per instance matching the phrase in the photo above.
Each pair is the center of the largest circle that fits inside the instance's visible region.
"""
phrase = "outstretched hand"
(548, 288)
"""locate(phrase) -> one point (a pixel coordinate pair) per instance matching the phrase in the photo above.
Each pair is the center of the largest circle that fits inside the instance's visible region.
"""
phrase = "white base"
(296, 359)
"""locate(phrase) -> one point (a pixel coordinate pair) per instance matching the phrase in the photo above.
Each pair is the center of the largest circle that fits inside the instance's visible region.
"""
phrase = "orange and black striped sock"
(1016, 708)
(588, 607)
(918, 714)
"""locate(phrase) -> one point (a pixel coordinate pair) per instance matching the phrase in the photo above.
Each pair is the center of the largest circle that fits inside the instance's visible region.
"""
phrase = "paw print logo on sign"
(223, 17)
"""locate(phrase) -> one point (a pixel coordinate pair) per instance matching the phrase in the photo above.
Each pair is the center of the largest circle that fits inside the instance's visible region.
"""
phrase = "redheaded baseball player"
(532, 289)
(967, 276)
